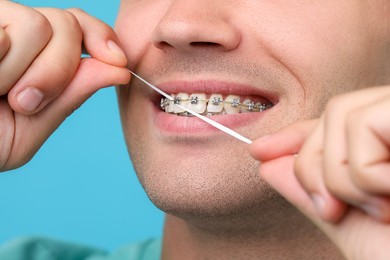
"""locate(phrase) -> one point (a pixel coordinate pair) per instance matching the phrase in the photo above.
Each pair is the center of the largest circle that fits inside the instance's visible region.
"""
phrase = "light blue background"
(80, 186)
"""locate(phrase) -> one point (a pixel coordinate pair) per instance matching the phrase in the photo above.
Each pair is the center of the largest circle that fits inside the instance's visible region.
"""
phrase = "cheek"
(133, 42)
(322, 44)
(131, 108)
(135, 25)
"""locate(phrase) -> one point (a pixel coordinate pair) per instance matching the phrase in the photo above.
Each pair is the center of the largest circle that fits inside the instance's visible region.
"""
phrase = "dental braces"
(250, 106)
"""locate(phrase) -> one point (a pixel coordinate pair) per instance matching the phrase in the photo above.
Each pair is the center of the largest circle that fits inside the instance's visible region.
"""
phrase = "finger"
(308, 168)
(27, 41)
(285, 142)
(100, 39)
(53, 69)
(335, 162)
(369, 147)
(371, 169)
(90, 77)
(369, 157)
(4, 43)
(336, 165)
(309, 173)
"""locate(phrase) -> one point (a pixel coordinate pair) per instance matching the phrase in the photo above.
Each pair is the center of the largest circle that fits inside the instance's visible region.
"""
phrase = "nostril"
(194, 44)
(204, 44)
(163, 44)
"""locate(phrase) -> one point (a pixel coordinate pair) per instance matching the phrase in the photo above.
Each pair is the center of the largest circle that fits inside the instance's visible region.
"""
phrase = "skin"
(209, 186)
(62, 87)
(217, 207)
(350, 183)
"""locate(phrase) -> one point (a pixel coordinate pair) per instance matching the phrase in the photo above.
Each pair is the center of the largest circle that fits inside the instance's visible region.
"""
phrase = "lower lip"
(183, 125)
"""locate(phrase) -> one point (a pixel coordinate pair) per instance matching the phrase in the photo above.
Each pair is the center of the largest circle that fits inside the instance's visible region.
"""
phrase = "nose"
(196, 24)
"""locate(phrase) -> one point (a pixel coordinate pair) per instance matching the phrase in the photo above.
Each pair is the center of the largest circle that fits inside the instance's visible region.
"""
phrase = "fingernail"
(29, 99)
(319, 203)
(115, 48)
(372, 210)
(261, 139)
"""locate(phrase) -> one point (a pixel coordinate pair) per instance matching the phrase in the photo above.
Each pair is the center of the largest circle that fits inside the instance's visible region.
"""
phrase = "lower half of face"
(192, 170)
(281, 67)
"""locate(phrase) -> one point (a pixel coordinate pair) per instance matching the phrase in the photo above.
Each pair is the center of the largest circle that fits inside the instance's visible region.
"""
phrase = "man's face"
(290, 56)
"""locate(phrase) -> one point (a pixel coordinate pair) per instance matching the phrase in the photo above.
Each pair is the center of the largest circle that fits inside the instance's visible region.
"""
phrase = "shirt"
(41, 248)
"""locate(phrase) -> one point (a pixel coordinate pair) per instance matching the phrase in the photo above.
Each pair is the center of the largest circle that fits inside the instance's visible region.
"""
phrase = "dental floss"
(206, 119)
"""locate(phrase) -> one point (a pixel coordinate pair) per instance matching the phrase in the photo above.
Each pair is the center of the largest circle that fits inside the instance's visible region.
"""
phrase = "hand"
(42, 77)
(340, 178)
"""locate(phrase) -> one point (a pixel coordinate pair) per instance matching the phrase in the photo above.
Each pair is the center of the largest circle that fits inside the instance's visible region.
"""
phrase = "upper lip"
(216, 87)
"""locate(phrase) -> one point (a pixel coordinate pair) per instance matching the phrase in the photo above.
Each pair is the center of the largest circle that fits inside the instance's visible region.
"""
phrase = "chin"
(191, 189)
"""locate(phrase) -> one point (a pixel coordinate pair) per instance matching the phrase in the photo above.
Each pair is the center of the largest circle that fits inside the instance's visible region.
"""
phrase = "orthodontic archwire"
(204, 118)
(250, 106)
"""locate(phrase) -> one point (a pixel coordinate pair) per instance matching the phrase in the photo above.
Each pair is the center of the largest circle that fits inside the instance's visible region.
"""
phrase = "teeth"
(215, 104)
(260, 107)
(181, 99)
(198, 103)
(232, 104)
(247, 106)
(170, 107)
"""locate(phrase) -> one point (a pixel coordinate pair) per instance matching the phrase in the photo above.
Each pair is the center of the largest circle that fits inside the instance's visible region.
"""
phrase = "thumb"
(279, 173)
(276, 154)
(91, 76)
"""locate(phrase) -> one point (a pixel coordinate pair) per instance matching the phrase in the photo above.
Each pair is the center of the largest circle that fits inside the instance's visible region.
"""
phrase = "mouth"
(213, 104)
(212, 98)
(230, 104)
